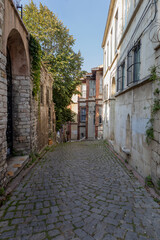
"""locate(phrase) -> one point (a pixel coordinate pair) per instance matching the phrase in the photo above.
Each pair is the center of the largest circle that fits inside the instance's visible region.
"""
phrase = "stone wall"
(3, 117)
(21, 114)
(43, 114)
(29, 123)
(155, 163)
(3, 102)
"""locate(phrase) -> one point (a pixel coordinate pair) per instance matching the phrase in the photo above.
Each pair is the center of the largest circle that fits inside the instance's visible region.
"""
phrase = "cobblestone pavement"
(80, 191)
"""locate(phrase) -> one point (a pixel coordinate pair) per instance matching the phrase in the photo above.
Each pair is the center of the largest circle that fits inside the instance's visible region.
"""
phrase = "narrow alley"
(80, 191)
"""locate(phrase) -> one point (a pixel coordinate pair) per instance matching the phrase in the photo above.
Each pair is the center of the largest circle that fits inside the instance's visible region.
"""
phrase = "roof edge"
(111, 6)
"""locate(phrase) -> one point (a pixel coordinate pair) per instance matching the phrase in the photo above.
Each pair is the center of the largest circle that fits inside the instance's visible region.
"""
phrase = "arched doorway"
(113, 87)
(128, 132)
(18, 94)
(9, 132)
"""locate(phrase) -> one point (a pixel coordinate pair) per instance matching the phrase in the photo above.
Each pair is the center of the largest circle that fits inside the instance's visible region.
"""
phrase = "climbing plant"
(36, 54)
(156, 105)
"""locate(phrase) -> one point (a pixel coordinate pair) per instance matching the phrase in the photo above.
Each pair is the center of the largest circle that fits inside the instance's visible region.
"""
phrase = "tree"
(57, 54)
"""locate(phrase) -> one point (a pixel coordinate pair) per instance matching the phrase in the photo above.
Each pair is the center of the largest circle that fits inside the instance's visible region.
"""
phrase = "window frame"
(82, 114)
(93, 89)
(131, 69)
(121, 76)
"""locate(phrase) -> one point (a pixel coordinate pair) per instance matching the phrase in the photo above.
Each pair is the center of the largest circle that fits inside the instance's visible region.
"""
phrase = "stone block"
(156, 157)
(158, 170)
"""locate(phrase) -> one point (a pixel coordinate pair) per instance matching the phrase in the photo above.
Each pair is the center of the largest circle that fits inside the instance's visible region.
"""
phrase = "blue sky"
(86, 21)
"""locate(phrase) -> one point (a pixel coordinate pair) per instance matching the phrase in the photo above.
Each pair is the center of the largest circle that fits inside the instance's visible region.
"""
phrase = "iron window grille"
(83, 114)
(133, 64)
(121, 77)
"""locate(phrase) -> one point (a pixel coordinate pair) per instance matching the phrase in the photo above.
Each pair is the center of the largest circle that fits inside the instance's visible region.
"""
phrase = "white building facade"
(131, 46)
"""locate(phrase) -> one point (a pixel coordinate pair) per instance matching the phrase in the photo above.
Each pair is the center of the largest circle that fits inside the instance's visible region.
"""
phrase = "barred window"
(133, 65)
(120, 77)
(83, 114)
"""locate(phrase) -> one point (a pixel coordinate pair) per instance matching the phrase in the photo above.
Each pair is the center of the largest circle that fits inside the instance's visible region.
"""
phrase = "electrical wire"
(139, 23)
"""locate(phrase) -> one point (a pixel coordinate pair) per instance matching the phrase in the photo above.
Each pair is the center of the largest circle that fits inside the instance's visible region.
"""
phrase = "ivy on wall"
(36, 54)
(155, 107)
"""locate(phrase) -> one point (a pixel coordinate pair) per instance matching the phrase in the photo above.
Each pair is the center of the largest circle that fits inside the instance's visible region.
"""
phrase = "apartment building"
(87, 108)
(90, 105)
(131, 47)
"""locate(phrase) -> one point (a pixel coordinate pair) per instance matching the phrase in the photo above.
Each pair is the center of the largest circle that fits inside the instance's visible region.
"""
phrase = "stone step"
(15, 165)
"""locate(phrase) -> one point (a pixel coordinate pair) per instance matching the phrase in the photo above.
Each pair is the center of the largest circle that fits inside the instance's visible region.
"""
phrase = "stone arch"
(113, 87)
(18, 95)
(17, 53)
(128, 132)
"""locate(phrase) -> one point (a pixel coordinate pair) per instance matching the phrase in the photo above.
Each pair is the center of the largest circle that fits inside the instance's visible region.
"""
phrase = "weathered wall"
(46, 116)
(134, 105)
(30, 124)
(21, 88)
(3, 102)
(132, 108)
(155, 145)
(43, 114)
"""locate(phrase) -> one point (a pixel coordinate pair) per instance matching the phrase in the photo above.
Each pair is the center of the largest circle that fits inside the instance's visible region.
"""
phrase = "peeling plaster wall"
(135, 101)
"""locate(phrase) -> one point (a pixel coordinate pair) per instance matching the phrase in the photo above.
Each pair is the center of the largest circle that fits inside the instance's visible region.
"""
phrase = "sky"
(86, 20)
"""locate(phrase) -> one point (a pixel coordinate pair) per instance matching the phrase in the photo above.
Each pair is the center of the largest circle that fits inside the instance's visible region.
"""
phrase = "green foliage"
(36, 53)
(63, 115)
(157, 200)
(148, 181)
(57, 54)
(155, 107)
(2, 191)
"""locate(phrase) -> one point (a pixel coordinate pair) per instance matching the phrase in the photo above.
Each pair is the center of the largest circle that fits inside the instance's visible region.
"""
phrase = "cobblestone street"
(80, 191)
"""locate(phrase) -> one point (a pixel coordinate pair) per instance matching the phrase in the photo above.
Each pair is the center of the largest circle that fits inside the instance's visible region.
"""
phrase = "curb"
(152, 191)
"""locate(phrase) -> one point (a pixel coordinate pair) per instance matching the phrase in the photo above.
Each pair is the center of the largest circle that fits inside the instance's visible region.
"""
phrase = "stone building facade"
(72, 127)
(130, 50)
(90, 105)
(19, 125)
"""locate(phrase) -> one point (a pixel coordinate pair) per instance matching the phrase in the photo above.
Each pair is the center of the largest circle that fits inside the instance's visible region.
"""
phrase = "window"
(42, 96)
(133, 64)
(116, 31)
(105, 62)
(136, 70)
(121, 77)
(83, 114)
(113, 87)
(94, 116)
(111, 40)
(107, 54)
(47, 96)
(101, 85)
(92, 88)
(100, 115)
(83, 90)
